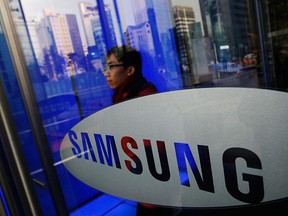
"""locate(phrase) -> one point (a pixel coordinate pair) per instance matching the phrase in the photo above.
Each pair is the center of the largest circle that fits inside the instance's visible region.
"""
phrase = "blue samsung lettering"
(87, 147)
(76, 150)
(183, 152)
(111, 146)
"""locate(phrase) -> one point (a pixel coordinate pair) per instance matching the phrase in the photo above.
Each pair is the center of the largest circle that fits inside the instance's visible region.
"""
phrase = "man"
(123, 73)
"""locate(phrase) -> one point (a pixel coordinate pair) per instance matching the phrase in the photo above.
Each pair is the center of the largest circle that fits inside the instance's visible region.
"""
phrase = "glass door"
(20, 154)
(53, 61)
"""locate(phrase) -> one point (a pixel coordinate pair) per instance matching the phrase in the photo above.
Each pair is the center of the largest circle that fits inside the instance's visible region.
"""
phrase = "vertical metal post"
(31, 107)
(119, 21)
(104, 24)
(262, 39)
(12, 148)
(2, 208)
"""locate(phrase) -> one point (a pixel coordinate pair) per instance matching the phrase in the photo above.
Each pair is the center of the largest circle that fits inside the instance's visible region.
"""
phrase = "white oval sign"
(213, 147)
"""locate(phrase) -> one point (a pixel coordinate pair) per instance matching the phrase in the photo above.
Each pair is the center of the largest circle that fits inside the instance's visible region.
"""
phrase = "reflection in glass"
(276, 18)
(184, 44)
(16, 105)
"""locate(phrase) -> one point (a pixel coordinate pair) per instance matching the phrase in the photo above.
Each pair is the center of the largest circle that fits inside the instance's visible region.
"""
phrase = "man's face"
(117, 74)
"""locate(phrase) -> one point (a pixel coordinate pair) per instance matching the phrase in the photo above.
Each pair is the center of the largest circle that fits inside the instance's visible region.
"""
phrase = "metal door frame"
(33, 114)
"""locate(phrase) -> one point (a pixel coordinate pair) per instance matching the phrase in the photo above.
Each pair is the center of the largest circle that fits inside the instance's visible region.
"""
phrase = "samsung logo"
(107, 154)
(192, 148)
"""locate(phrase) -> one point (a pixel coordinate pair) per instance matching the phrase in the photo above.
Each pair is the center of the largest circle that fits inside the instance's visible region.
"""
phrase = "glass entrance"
(53, 72)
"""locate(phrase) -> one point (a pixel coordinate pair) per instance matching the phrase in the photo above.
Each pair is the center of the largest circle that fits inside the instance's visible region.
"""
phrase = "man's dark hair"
(129, 56)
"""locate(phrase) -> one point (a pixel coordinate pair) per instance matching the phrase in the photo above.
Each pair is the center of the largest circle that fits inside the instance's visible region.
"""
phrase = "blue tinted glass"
(3, 201)
(184, 44)
(8, 77)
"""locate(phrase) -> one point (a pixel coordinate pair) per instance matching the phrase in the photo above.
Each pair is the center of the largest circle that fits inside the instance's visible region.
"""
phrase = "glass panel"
(276, 25)
(184, 44)
(3, 204)
(59, 93)
(8, 77)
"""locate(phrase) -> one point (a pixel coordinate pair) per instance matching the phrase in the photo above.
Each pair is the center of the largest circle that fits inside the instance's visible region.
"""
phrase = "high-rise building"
(184, 19)
(140, 37)
(29, 55)
(193, 47)
(229, 24)
(45, 42)
(159, 16)
(75, 35)
(93, 27)
(60, 32)
(61, 41)
(88, 14)
(32, 26)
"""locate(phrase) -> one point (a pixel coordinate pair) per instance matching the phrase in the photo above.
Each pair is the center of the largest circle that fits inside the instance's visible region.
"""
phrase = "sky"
(33, 9)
